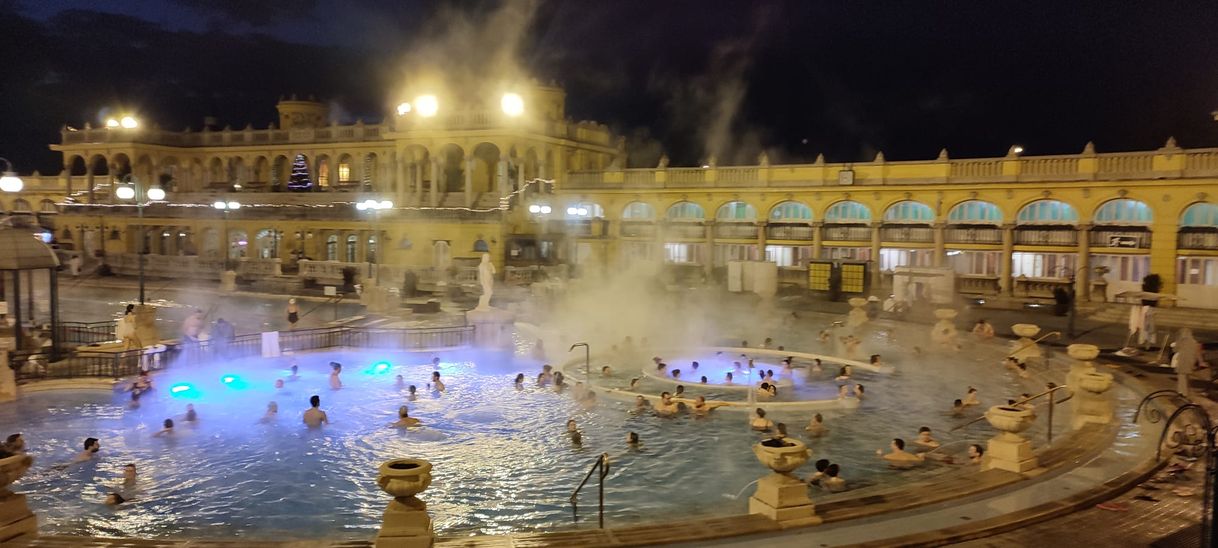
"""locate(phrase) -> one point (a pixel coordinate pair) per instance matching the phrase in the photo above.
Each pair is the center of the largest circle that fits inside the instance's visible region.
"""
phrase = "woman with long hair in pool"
(759, 422)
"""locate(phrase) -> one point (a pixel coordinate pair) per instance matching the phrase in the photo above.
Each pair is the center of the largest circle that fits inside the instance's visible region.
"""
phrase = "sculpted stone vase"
(781, 496)
(16, 520)
(1008, 450)
(1026, 348)
(944, 331)
(858, 312)
(1090, 404)
(406, 523)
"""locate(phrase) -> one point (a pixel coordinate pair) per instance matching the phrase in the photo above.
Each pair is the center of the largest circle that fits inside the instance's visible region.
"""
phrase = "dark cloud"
(255, 13)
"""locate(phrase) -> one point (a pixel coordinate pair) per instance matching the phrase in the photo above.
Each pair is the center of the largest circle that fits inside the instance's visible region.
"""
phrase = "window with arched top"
(1200, 215)
(736, 211)
(975, 212)
(791, 211)
(1123, 212)
(585, 210)
(847, 211)
(21, 205)
(352, 245)
(1048, 212)
(332, 247)
(909, 211)
(48, 206)
(638, 211)
(685, 211)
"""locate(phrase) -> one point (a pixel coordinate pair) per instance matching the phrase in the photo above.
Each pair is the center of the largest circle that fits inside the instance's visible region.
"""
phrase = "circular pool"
(502, 461)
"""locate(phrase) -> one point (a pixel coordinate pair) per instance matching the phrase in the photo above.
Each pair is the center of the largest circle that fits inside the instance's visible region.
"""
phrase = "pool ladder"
(601, 465)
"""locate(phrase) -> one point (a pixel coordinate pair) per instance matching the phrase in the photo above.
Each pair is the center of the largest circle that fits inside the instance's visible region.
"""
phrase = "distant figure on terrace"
(293, 313)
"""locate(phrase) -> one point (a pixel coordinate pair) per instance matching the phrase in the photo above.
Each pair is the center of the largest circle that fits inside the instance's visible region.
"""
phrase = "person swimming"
(92, 446)
(875, 360)
(679, 392)
(335, 369)
(435, 362)
(767, 391)
(816, 426)
(114, 499)
(279, 383)
(832, 482)
(519, 382)
(693, 366)
(135, 400)
(314, 416)
(816, 477)
(412, 393)
(606, 372)
(976, 454)
(143, 383)
(843, 392)
(191, 415)
(898, 457)
(634, 383)
(727, 379)
(573, 432)
(957, 408)
(547, 375)
(632, 441)
(779, 439)
(437, 384)
(295, 372)
(970, 398)
(14, 444)
(843, 374)
(816, 366)
(676, 374)
(701, 408)
(560, 382)
(272, 411)
(404, 419)
(399, 382)
(759, 422)
(703, 381)
(858, 391)
(926, 439)
(129, 478)
(983, 330)
(737, 366)
(589, 400)
(166, 430)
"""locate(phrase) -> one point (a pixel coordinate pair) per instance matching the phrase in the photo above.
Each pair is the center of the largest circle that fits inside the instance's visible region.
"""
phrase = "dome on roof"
(20, 249)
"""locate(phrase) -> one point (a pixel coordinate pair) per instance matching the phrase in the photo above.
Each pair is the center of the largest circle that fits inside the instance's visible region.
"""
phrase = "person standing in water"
(314, 417)
(293, 313)
(336, 369)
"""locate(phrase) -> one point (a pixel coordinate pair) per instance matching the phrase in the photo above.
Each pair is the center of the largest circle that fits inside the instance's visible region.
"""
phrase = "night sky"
(693, 78)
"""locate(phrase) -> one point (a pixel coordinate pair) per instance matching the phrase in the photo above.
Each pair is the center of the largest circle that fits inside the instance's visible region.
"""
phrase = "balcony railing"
(1058, 236)
(685, 231)
(789, 232)
(913, 234)
(1116, 237)
(972, 235)
(736, 231)
(638, 229)
(847, 233)
(975, 284)
(1197, 240)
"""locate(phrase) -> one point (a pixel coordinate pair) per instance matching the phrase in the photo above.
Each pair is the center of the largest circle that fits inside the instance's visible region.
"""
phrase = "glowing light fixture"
(572, 211)
(226, 205)
(219, 205)
(111, 123)
(178, 388)
(545, 210)
(1017, 149)
(534, 208)
(426, 105)
(582, 212)
(381, 367)
(373, 204)
(403, 109)
(128, 122)
(156, 193)
(228, 379)
(125, 192)
(513, 104)
(9, 181)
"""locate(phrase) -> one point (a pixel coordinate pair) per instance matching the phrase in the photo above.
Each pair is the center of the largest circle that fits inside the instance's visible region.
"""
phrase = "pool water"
(502, 461)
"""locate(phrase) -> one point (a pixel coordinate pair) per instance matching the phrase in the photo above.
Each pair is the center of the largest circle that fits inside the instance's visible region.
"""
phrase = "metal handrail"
(1026, 400)
(602, 464)
(1033, 343)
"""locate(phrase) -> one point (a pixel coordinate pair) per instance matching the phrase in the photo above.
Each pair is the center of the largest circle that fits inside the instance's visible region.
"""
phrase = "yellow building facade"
(470, 180)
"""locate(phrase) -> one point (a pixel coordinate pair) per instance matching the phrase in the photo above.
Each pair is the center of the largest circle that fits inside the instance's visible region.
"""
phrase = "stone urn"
(1095, 383)
(858, 312)
(944, 331)
(780, 495)
(406, 523)
(1008, 450)
(12, 469)
(783, 460)
(1025, 348)
(1082, 354)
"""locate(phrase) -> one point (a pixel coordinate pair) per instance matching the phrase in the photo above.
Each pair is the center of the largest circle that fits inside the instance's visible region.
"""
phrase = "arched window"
(344, 168)
(847, 212)
(268, 243)
(352, 244)
(21, 205)
(480, 246)
(332, 247)
(736, 211)
(48, 206)
(1123, 212)
(975, 212)
(323, 172)
(1200, 215)
(791, 211)
(1047, 212)
(909, 211)
(685, 211)
(370, 255)
(638, 211)
(585, 210)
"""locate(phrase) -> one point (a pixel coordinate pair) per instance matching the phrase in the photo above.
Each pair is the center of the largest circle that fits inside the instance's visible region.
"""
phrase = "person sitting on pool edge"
(404, 419)
(898, 457)
(759, 422)
(314, 416)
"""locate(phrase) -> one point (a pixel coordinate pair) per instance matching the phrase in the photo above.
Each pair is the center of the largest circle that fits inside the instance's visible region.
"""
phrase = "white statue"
(486, 277)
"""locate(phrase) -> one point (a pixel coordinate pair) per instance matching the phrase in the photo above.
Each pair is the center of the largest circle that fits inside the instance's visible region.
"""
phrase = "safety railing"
(1025, 401)
(86, 332)
(602, 466)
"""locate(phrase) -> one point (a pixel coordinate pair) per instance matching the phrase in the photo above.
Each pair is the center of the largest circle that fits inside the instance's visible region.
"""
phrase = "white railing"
(789, 232)
(738, 231)
(166, 266)
(847, 233)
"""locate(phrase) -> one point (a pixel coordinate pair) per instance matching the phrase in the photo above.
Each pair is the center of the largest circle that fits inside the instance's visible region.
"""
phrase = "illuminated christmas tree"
(299, 180)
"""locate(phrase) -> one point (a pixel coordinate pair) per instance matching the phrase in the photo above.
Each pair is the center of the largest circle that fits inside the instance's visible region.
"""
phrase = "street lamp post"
(130, 189)
(376, 208)
(224, 207)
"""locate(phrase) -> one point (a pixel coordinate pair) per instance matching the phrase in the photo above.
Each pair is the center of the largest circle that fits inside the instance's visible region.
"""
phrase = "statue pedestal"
(1008, 450)
(493, 327)
(858, 314)
(145, 325)
(8, 379)
(783, 499)
(406, 525)
(1089, 405)
(228, 281)
(944, 331)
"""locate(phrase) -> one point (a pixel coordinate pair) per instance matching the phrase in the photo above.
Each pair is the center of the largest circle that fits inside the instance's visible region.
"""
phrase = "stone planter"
(1083, 352)
(1090, 404)
(858, 312)
(1008, 450)
(406, 523)
(945, 314)
(16, 520)
(780, 496)
(1095, 383)
(1082, 355)
(1025, 330)
(783, 460)
(1025, 348)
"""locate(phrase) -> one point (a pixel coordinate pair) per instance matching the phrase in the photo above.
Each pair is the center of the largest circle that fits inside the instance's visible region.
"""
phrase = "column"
(709, 264)
(940, 247)
(469, 182)
(437, 172)
(877, 278)
(67, 175)
(818, 239)
(416, 185)
(761, 236)
(89, 183)
(1006, 282)
(400, 178)
(1082, 281)
(501, 178)
(661, 228)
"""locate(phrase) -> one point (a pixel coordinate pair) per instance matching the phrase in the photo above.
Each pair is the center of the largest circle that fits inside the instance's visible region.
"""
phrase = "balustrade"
(789, 232)
(738, 231)
(834, 233)
(686, 230)
(972, 235)
(1060, 236)
(1197, 240)
(1121, 238)
(923, 234)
